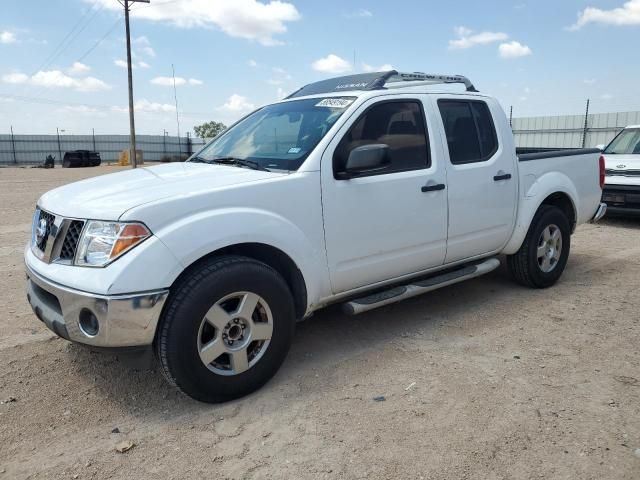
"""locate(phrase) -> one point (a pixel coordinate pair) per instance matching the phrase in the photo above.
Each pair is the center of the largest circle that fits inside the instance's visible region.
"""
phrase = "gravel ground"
(482, 380)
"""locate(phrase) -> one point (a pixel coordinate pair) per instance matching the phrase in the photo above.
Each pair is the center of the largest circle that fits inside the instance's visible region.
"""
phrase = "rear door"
(481, 176)
(392, 222)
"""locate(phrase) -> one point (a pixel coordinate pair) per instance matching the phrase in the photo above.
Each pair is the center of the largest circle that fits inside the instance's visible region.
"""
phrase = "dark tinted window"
(400, 125)
(471, 135)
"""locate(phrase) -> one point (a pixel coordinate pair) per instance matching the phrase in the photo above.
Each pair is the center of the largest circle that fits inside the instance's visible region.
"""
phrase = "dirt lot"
(483, 380)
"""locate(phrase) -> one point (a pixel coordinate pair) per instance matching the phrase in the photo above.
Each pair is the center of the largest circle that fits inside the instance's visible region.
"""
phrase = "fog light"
(88, 322)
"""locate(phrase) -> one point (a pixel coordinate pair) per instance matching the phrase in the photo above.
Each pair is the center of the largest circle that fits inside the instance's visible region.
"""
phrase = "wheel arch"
(561, 198)
(269, 255)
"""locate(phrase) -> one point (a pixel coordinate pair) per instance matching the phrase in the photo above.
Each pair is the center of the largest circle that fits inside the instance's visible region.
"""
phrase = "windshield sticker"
(295, 150)
(335, 102)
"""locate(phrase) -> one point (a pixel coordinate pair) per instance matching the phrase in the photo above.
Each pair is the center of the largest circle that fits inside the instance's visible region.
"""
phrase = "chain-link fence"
(34, 149)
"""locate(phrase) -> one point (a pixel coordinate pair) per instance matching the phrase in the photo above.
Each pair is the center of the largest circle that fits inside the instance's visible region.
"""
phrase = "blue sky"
(61, 62)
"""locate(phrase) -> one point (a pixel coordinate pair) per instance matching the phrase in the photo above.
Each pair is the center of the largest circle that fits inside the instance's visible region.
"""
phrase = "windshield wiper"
(198, 159)
(241, 162)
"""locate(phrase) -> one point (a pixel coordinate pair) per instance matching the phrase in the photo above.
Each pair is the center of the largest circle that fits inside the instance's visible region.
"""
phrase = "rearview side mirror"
(367, 159)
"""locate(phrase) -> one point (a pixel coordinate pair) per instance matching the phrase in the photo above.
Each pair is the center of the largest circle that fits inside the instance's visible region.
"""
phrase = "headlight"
(103, 242)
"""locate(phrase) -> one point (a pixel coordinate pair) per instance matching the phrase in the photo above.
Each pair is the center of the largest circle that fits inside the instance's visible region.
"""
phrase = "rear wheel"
(541, 259)
(226, 330)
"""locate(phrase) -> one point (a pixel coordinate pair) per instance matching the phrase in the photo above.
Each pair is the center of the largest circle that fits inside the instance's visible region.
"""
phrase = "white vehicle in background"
(622, 180)
(362, 190)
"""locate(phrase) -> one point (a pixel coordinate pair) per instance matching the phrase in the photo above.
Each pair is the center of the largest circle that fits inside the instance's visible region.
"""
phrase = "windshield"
(627, 142)
(277, 137)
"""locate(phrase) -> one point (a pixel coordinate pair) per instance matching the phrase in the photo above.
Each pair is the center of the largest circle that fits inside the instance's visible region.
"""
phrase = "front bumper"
(122, 320)
(622, 198)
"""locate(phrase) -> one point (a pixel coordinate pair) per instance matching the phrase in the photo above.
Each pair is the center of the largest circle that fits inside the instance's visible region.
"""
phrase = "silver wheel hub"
(235, 333)
(549, 248)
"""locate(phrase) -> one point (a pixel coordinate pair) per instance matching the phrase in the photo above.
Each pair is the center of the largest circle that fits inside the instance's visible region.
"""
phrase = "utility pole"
(13, 146)
(59, 145)
(586, 125)
(511, 116)
(175, 96)
(132, 123)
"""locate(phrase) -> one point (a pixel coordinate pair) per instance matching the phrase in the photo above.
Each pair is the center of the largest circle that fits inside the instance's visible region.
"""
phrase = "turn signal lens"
(130, 235)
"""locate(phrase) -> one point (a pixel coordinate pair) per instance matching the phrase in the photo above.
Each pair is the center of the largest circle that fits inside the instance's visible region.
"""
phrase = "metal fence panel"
(567, 131)
(33, 149)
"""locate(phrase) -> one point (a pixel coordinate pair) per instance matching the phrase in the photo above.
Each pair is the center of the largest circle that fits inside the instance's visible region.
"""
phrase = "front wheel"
(226, 329)
(541, 259)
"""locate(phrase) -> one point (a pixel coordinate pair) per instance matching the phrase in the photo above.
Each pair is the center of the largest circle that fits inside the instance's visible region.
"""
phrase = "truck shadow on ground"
(327, 339)
(620, 221)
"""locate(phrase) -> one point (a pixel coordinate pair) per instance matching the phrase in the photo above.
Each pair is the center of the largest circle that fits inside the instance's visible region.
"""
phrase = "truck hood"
(622, 169)
(107, 197)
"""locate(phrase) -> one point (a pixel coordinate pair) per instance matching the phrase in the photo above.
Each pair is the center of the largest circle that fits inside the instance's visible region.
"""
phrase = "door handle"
(504, 176)
(432, 188)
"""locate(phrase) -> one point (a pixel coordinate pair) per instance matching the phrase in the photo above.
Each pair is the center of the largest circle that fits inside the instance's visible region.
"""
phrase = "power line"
(70, 37)
(95, 45)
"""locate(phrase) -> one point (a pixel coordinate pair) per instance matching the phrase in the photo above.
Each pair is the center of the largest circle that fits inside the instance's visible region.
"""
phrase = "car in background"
(622, 172)
(81, 158)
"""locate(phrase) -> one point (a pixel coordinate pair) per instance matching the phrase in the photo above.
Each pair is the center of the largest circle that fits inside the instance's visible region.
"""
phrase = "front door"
(390, 222)
(481, 178)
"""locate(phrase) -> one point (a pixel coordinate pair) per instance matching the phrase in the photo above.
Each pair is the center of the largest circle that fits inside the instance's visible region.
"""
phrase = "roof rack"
(379, 81)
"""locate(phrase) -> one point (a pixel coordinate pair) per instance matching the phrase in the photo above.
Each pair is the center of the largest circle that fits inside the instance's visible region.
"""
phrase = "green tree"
(209, 129)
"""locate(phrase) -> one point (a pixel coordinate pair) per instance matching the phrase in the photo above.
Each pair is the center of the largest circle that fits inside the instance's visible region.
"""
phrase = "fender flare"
(533, 197)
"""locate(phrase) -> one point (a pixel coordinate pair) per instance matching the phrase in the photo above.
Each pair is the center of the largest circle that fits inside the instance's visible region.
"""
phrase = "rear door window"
(471, 134)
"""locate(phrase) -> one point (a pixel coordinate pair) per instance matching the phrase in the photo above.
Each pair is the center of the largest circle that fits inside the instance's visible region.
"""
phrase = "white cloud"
(8, 37)
(513, 49)
(78, 69)
(195, 82)
(253, 20)
(280, 76)
(168, 81)
(606, 96)
(372, 68)
(237, 103)
(360, 13)
(331, 64)
(252, 63)
(467, 39)
(589, 81)
(280, 93)
(144, 105)
(57, 79)
(83, 110)
(628, 14)
(144, 45)
(123, 64)
(15, 78)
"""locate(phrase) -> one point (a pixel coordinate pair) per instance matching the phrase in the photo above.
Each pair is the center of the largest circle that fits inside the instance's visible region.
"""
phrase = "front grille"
(70, 244)
(624, 173)
(55, 239)
(41, 242)
(621, 196)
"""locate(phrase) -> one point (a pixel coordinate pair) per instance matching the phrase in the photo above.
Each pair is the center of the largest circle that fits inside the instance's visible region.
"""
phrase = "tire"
(198, 324)
(66, 164)
(526, 267)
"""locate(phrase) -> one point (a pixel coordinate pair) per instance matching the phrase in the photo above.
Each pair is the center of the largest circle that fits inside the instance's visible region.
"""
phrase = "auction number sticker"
(335, 102)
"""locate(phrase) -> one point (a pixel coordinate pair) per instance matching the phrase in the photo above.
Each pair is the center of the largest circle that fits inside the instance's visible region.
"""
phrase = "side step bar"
(396, 294)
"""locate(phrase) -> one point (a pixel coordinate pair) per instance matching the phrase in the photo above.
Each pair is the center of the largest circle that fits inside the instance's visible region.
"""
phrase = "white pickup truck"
(622, 172)
(363, 190)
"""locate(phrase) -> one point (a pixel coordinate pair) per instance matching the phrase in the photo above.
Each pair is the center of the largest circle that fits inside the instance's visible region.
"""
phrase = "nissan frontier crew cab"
(362, 190)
